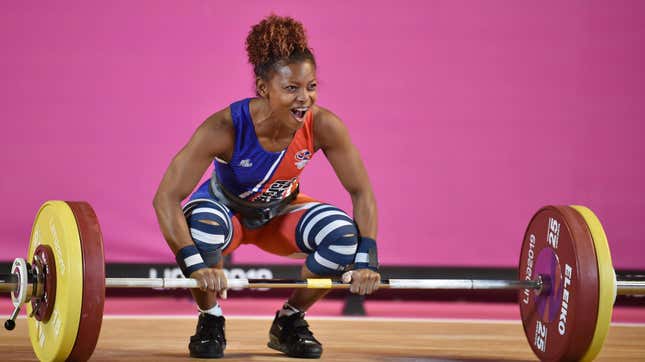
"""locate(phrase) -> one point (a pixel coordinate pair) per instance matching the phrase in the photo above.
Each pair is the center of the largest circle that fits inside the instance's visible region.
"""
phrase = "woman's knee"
(331, 237)
(210, 227)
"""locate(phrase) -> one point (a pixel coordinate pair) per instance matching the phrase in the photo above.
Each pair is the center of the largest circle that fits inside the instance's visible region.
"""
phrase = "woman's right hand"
(211, 280)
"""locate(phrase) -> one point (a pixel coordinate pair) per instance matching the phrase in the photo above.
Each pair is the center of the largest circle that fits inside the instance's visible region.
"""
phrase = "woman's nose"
(302, 95)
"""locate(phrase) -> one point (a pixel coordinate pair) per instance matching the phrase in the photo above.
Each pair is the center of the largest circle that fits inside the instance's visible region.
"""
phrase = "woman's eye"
(312, 86)
(291, 88)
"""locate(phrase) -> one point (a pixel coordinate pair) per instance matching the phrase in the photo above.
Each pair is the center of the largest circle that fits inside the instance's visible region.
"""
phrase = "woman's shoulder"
(224, 118)
(216, 135)
(221, 120)
(324, 119)
(328, 127)
(323, 114)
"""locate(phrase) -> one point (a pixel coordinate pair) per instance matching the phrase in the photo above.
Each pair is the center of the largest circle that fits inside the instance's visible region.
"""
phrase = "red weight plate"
(93, 281)
(587, 288)
(560, 322)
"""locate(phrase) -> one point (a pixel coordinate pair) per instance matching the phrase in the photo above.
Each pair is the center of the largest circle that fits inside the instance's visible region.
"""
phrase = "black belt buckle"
(257, 218)
(267, 213)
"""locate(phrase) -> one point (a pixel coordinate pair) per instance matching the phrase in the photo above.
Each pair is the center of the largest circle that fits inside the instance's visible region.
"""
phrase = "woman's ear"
(261, 87)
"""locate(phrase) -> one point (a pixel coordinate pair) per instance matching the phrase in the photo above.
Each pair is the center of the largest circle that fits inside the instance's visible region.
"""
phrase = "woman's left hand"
(364, 281)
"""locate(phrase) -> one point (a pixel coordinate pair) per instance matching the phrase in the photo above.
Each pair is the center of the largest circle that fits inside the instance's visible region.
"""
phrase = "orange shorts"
(278, 236)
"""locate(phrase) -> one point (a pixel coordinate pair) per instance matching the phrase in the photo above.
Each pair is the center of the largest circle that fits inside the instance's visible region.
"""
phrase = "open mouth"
(299, 112)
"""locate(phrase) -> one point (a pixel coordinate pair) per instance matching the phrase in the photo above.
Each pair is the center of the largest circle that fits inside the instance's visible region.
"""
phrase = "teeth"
(299, 112)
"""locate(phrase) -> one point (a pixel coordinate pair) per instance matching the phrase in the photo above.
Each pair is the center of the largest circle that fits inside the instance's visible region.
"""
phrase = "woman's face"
(291, 91)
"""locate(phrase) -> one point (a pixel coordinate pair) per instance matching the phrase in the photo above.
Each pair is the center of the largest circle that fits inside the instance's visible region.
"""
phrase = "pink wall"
(469, 115)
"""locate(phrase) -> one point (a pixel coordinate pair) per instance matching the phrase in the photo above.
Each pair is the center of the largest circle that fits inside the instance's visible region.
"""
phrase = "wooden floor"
(165, 339)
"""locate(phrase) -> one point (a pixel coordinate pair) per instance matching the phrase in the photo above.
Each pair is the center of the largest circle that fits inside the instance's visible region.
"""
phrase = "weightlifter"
(259, 147)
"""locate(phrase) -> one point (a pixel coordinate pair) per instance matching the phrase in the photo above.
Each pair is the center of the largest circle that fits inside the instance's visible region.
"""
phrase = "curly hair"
(276, 40)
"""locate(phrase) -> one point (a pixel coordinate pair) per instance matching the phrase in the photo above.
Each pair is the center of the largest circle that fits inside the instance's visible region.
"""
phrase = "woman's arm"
(333, 139)
(213, 138)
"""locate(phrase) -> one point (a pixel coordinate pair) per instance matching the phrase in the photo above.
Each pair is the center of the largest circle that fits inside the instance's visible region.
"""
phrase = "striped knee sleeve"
(210, 239)
(331, 235)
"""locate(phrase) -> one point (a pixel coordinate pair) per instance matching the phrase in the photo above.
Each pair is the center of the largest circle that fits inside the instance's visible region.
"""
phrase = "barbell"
(566, 283)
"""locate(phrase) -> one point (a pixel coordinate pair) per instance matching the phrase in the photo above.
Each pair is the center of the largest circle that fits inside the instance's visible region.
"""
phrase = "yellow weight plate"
(56, 226)
(607, 281)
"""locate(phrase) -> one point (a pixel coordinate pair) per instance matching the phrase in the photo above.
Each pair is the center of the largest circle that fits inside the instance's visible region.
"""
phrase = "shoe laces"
(297, 323)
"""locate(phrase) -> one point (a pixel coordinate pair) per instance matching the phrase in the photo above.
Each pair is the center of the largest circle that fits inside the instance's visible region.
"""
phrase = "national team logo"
(302, 157)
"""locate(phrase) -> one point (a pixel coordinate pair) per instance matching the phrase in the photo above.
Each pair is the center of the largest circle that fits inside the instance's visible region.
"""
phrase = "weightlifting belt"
(252, 214)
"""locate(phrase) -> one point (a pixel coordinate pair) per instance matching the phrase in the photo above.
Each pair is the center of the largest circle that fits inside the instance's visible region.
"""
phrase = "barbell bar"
(8, 284)
(623, 287)
(326, 283)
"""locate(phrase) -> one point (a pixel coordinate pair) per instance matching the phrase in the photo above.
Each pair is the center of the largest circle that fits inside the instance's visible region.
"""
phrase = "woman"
(259, 147)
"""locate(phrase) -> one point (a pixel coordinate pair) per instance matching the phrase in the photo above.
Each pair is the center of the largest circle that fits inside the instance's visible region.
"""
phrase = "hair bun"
(273, 39)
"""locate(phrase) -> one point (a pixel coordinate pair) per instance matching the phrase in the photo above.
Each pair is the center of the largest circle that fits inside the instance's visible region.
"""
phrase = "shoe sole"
(207, 354)
(195, 355)
(280, 348)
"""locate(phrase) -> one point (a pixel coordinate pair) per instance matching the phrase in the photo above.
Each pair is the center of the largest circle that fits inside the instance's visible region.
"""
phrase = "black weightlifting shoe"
(209, 340)
(291, 335)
